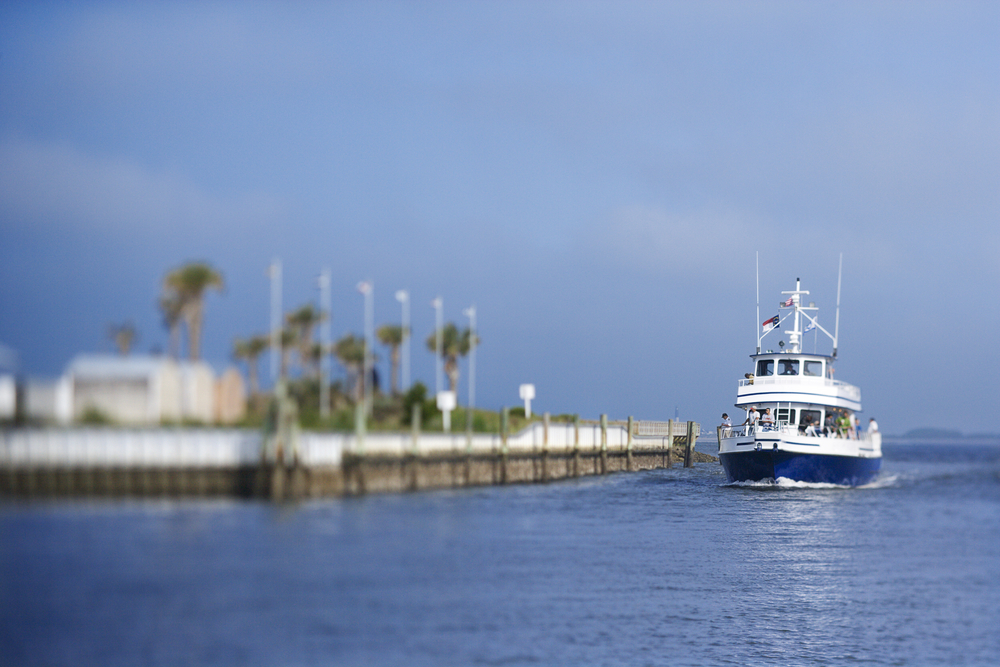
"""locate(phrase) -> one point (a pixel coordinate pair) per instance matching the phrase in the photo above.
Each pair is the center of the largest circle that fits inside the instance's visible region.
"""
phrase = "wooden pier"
(246, 464)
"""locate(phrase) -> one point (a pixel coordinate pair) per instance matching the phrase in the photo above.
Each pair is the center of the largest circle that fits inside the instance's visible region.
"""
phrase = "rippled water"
(657, 568)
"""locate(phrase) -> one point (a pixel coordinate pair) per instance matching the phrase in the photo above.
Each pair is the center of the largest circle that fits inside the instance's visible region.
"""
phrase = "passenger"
(766, 420)
(810, 429)
(852, 428)
(750, 422)
(872, 426)
(749, 377)
(829, 428)
(843, 426)
(727, 425)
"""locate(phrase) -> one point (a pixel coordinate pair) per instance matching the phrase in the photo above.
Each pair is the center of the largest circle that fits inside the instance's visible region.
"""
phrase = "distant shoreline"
(976, 439)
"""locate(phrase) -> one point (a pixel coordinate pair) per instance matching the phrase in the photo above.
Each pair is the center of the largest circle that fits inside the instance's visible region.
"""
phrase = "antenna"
(758, 303)
(836, 325)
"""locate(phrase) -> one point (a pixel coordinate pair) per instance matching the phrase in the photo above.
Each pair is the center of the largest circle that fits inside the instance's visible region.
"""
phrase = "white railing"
(153, 448)
(748, 430)
(846, 388)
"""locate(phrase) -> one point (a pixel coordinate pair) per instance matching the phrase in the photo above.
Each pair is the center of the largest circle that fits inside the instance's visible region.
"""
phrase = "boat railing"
(746, 430)
(798, 379)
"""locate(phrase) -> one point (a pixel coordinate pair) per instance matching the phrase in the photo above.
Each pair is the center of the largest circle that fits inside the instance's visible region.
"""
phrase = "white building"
(141, 389)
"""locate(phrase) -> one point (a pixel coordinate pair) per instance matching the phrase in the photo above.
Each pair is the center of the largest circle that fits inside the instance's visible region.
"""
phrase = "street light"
(470, 312)
(324, 358)
(438, 304)
(368, 289)
(274, 273)
(404, 298)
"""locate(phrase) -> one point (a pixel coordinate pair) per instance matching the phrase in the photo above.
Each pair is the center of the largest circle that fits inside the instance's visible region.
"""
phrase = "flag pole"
(836, 325)
(758, 301)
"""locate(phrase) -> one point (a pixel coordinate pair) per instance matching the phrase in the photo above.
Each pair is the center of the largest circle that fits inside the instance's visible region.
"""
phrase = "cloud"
(58, 186)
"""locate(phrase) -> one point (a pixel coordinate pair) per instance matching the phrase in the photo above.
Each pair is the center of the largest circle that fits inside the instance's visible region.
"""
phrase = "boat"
(812, 435)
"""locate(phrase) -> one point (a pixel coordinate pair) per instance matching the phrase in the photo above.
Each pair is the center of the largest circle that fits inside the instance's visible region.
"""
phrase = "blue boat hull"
(755, 466)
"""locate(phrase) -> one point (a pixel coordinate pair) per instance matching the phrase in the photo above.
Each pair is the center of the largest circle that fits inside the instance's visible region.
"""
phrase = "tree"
(350, 352)
(302, 322)
(454, 344)
(391, 335)
(171, 306)
(124, 335)
(188, 284)
(289, 339)
(250, 351)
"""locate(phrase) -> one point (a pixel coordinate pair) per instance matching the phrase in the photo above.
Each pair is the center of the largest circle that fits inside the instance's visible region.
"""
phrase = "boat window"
(788, 367)
(765, 367)
(807, 417)
(814, 368)
(786, 415)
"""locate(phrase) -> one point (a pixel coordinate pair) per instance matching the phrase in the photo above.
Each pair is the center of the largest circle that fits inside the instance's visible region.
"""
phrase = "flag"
(810, 328)
(770, 324)
(787, 303)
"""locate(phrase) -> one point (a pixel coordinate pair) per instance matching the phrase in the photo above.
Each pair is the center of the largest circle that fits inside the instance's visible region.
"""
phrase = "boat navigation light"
(781, 344)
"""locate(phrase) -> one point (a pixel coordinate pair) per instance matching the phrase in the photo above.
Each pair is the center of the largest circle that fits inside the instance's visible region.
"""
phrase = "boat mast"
(795, 335)
(758, 302)
(836, 324)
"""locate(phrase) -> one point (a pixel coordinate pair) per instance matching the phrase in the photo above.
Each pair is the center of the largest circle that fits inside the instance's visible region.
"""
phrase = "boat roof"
(772, 353)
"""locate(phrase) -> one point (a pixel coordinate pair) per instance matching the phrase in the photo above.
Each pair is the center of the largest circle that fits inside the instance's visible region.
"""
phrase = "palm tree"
(391, 335)
(188, 284)
(172, 307)
(289, 339)
(350, 352)
(250, 351)
(302, 322)
(454, 344)
(124, 335)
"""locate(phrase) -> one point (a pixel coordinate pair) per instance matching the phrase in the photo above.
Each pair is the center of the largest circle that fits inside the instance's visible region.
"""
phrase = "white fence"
(212, 448)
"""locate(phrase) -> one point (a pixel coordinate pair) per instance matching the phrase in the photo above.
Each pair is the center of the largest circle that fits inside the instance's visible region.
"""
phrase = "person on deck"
(750, 422)
(810, 428)
(872, 425)
(727, 425)
(766, 420)
(843, 425)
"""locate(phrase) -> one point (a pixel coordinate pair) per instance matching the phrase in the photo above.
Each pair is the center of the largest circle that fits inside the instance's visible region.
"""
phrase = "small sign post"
(446, 402)
(527, 394)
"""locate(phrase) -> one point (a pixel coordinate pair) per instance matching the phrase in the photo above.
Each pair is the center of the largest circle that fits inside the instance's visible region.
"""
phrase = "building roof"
(116, 366)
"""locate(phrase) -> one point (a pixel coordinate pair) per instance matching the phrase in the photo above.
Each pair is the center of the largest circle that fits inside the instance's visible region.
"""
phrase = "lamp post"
(438, 304)
(368, 290)
(404, 298)
(470, 312)
(274, 273)
(324, 358)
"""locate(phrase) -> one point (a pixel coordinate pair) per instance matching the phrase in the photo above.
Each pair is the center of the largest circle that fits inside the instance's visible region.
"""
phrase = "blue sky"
(595, 177)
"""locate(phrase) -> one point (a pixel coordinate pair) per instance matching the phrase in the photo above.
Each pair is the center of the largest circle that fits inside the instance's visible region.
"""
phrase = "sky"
(599, 179)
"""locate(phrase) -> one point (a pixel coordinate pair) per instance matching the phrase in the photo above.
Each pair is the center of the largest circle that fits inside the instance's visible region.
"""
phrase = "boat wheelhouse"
(810, 432)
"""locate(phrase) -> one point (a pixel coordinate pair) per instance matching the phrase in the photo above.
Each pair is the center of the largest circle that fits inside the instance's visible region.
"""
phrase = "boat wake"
(785, 483)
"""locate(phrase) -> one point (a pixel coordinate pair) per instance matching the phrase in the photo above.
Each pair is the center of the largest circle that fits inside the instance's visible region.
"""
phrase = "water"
(656, 568)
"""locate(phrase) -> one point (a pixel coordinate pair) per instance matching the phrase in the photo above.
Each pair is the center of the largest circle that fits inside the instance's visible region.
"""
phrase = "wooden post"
(604, 444)
(628, 446)
(504, 426)
(689, 447)
(415, 416)
(576, 446)
(670, 444)
(545, 447)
